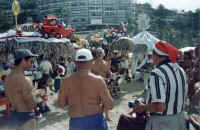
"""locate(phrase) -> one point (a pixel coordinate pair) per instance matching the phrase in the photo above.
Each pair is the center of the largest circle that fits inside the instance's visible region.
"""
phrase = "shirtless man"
(21, 94)
(86, 95)
(100, 67)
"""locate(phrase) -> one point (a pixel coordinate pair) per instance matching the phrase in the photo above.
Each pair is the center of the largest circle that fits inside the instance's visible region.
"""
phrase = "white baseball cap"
(83, 55)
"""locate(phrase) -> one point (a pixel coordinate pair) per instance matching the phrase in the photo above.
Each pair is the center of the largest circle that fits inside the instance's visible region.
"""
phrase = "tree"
(29, 8)
(3, 21)
(132, 26)
(28, 4)
(161, 12)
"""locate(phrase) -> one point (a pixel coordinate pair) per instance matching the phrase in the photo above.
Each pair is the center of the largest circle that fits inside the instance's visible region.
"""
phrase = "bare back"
(85, 93)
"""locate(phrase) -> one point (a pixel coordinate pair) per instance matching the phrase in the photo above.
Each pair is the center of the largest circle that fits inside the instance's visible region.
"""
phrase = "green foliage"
(3, 21)
(28, 4)
(29, 9)
(179, 28)
(4, 4)
(132, 26)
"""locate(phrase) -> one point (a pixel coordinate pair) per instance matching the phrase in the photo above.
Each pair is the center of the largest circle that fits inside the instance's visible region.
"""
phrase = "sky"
(175, 4)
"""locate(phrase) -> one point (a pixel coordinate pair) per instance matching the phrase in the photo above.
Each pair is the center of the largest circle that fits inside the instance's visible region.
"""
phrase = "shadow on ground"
(58, 117)
(52, 118)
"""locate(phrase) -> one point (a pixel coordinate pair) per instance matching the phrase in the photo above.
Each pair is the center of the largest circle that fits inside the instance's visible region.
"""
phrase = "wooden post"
(16, 22)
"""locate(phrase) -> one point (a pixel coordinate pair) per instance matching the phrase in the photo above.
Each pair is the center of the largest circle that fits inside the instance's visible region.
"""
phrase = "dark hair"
(69, 58)
(18, 61)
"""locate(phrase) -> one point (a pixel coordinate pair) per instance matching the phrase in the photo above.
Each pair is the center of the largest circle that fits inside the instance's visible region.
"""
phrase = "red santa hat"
(165, 49)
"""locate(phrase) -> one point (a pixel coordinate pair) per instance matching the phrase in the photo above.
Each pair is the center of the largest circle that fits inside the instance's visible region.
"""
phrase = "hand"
(147, 115)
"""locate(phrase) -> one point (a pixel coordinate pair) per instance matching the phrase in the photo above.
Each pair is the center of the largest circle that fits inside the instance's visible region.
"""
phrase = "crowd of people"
(190, 60)
(49, 72)
(87, 81)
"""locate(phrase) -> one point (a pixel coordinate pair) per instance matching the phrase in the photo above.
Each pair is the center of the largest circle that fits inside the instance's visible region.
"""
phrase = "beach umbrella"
(139, 51)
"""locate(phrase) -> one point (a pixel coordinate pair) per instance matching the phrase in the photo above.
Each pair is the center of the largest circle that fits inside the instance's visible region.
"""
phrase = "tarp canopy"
(29, 37)
(145, 38)
(38, 39)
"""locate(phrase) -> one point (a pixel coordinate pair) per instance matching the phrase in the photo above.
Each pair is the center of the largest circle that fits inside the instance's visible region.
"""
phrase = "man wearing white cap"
(166, 91)
(86, 95)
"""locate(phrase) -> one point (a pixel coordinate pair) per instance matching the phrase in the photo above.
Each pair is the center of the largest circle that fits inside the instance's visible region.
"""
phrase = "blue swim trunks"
(18, 119)
(91, 122)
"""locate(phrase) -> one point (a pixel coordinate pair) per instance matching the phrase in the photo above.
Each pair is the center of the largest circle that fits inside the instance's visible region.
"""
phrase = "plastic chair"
(5, 101)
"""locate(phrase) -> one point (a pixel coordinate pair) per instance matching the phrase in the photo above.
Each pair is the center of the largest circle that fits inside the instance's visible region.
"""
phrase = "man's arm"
(152, 108)
(158, 95)
(106, 98)
(108, 72)
(29, 93)
(62, 96)
(156, 107)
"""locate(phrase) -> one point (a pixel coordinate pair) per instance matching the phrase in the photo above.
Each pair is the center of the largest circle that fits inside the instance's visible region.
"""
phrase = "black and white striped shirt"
(168, 84)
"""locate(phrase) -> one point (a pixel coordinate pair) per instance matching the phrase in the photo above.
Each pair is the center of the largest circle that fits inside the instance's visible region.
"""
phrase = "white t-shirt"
(45, 67)
(70, 68)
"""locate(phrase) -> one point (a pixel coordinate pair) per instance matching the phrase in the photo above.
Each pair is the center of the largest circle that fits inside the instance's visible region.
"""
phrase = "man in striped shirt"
(166, 91)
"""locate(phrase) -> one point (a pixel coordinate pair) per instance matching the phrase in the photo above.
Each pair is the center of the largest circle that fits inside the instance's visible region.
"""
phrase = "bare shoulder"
(92, 75)
(96, 77)
(99, 81)
(14, 77)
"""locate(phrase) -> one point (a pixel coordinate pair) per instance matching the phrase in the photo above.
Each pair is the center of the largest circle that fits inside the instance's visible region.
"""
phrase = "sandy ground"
(58, 119)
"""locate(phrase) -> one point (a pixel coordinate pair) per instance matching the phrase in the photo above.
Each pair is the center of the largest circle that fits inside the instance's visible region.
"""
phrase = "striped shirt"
(168, 84)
